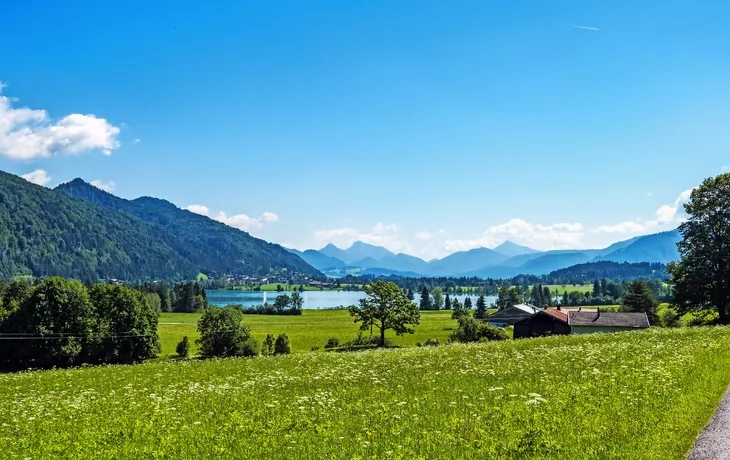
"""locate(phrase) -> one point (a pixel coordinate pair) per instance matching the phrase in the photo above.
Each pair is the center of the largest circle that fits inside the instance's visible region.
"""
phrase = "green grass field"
(312, 328)
(563, 288)
(629, 395)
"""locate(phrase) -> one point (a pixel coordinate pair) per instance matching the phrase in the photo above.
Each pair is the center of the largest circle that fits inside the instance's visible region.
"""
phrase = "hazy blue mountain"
(358, 251)
(616, 246)
(511, 249)
(508, 259)
(387, 272)
(318, 260)
(660, 247)
(333, 251)
(404, 263)
(552, 261)
(367, 262)
(465, 261)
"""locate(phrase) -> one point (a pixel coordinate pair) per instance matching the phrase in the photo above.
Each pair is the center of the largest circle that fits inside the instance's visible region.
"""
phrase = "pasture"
(311, 329)
(629, 395)
(563, 288)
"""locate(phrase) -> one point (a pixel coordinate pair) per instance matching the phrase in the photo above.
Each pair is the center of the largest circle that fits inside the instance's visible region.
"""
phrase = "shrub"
(282, 346)
(669, 318)
(268, 348)
(223, 333)
(183, 347)
(472, 330)
(432, 343)
(332, 342)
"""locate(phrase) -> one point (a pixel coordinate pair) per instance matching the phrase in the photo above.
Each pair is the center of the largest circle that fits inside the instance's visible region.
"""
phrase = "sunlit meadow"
(629, 395)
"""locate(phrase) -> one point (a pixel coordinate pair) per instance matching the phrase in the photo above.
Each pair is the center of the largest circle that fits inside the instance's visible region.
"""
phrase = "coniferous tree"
(481, 311)
(447, 302)
(425, 303)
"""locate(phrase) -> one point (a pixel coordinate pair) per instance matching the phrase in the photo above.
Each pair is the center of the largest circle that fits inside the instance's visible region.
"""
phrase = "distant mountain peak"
(511, 249)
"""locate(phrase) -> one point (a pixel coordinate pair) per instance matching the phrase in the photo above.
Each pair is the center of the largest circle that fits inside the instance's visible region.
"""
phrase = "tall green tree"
(223, 333)
(297, 301)
(639, 298)
(481, 311)
(438, 298)
(467, 303)
(61, 311)
(546, 298)
(282, 302)
(507, 297)
(701, 278)
(447, 302)
(386, 307)
(126, 325)
(597, 289)
(425, 303)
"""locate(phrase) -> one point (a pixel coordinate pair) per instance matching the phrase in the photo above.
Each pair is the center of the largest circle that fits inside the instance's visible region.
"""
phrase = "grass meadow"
(311, 329)
(628, 395)
(563, 288)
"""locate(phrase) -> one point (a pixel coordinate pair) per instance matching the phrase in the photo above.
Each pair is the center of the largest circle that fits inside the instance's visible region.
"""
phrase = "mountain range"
(504, 261)
(80, 231)
(77, 230)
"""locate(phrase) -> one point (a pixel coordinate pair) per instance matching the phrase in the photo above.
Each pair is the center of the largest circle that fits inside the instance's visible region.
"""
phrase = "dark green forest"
(98, 236)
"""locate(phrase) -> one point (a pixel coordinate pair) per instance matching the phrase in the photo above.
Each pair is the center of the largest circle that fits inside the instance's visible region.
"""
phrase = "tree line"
(62, 323)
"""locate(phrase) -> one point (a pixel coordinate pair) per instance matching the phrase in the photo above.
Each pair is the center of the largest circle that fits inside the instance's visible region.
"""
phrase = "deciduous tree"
(702, 277)
(386, 307)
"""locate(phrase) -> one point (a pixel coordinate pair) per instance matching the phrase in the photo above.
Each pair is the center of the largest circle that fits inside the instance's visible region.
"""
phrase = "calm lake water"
(313, 300)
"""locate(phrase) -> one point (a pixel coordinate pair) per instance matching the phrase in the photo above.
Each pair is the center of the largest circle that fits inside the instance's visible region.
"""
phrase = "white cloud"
(537, 236)
(239, 221)
(667, 216)
(628, 226)
(441, 231)
(586, 28)
(649, 194)
(385, 235)
(330, 234)
(423, 236)
(106, 186)
(26, 133)
(384, 228)
(136, 140)
(674, 213)
(39, 176)
(199, 209)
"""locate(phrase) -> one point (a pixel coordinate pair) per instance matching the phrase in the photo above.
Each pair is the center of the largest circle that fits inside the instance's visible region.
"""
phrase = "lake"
(313, 300)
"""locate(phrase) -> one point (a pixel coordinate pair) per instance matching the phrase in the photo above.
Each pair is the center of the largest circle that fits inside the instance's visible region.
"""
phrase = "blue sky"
(427, 127)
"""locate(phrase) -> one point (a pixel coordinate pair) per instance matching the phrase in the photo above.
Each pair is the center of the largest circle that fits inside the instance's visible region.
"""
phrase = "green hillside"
(46, 232)
(217, 246)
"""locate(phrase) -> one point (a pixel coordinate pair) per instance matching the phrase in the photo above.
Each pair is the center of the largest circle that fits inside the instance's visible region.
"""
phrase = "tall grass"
(630, 395)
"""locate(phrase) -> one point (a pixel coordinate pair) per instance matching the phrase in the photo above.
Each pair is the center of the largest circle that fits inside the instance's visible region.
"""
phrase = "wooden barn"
(553, 321)
(510, 315)
(543, 323)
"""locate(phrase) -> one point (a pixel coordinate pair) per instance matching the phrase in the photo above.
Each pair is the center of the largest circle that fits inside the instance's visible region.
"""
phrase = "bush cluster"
(62, 323)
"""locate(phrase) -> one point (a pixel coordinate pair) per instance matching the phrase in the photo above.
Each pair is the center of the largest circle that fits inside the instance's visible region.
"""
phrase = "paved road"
(714, 441)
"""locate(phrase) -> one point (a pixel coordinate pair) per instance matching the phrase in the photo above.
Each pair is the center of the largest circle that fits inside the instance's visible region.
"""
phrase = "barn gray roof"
(607, 319)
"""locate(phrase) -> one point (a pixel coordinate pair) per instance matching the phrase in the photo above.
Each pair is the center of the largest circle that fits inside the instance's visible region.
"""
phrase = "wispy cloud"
(585, 28)
(38, 177)
(106, 186)
(239, 221)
